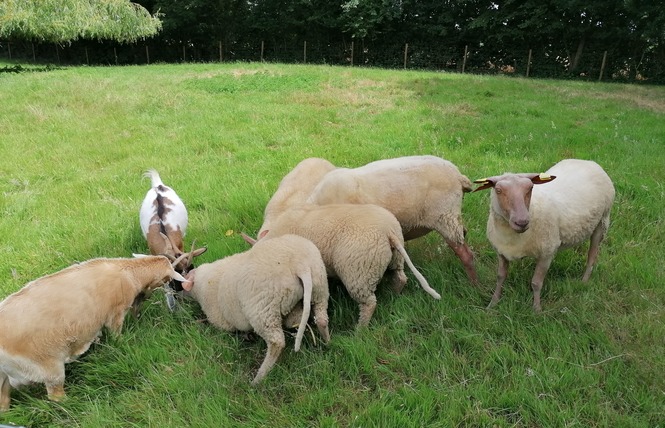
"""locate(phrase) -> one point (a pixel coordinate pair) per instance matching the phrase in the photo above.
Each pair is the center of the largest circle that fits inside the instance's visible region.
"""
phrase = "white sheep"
(424, 193)
(258, 289)
(163, 218)
(528, 221)
(55, 318)
(358, 244)
(295, 188)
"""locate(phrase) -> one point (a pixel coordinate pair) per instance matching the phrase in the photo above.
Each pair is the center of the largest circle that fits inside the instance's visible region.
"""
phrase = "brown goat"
(55, 318)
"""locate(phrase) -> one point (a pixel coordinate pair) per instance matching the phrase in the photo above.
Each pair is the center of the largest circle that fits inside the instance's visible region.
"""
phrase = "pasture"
(75, 142)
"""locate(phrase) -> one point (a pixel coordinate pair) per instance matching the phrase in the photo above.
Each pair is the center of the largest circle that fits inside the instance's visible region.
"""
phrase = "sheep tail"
(154, 178)
(306, 279)
(421, 279)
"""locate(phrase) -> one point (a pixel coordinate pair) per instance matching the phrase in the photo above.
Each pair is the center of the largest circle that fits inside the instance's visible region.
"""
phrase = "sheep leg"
(55, 386)
(398, 280)
(367, 308)
(501, 274)
(5, 392)
(321, 320)
(596, 238)
(464, 253)
(542, 266)
(269, 327)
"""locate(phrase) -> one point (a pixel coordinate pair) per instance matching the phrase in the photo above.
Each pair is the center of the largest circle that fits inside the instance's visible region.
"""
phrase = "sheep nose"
(522, 224)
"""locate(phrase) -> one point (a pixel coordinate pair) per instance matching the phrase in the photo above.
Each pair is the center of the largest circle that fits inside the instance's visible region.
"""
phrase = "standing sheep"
(424, 193)
(54, 319)
(259, 288)
(295, 188)
(528, 221)
(358, 244)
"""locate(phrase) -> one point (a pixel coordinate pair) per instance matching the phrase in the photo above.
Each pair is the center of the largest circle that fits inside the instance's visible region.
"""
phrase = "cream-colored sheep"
(55, 318)
(358, 244)
(257, 289)
(528, 221)
(424, 193)
(295, 188)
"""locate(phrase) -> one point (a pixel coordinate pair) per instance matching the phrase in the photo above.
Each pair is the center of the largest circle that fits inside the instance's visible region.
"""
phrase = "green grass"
(75, 142)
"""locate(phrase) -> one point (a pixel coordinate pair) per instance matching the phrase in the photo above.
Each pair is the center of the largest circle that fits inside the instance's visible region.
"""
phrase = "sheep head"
(511, 196)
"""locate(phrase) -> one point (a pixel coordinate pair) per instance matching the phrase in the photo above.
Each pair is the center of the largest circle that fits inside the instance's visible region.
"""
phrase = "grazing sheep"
(424, 193)
(54, 319)
(295, 188)
(163, 218)
(259, 288)
(528, 221)
(358, 244)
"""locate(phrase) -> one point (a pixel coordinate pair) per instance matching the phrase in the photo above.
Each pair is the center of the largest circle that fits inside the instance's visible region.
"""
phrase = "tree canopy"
(69, 20)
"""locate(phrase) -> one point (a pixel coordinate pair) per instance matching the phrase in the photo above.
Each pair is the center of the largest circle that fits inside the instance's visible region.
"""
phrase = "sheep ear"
(541, 178)
(248, 239)
(485, 183)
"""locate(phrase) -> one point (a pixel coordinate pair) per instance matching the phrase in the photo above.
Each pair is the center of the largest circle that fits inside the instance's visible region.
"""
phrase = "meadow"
(75, 142)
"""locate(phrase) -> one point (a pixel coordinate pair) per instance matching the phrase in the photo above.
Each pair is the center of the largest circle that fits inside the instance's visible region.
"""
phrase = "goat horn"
(175, 262)
(191, 254)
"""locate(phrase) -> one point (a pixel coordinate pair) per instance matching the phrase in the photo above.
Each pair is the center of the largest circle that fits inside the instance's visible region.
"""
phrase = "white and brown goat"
(55, 318)
(163, 219)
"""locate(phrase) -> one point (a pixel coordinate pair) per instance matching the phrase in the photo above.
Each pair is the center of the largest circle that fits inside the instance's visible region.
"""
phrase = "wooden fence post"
(115, 55)
(184, 53)
(406, 53)
(34, 57)
(351, 54)
(147, 54)
(304, 52)
(528, 64)
(466, 53)
(87, 59)
(221, 57)
(57, 53)
(602, 66)
(9, 50)
(262, 50)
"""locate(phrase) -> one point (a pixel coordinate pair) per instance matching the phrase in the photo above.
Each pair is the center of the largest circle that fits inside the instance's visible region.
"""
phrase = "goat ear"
(175, 275)
(485, 183)
(248, 239)
(542, 178)
(139, 256)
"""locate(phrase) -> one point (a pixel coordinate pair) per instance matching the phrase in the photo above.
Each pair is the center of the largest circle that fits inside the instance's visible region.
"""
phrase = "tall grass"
(75, 142)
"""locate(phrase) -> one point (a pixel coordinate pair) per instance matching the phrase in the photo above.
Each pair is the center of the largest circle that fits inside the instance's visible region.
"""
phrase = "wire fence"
(596, 62)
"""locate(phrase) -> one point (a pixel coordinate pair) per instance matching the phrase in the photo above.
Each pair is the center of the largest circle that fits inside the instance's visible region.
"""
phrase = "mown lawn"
(75, 142)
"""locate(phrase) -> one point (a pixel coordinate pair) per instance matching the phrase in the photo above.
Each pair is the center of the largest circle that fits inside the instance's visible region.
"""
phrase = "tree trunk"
(578, 54)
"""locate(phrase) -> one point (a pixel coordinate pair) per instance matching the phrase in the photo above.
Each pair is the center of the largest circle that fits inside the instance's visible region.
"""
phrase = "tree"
(68, 20)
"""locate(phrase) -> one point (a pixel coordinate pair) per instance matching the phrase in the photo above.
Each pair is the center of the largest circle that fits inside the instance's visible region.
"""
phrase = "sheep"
(424, 193)
(536, 222)
(295, 188)
(163, 219)
(260, 288)
(358, 244)
(54, 319)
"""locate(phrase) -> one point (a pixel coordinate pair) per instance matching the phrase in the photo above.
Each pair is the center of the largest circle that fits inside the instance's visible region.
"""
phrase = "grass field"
(75, 142)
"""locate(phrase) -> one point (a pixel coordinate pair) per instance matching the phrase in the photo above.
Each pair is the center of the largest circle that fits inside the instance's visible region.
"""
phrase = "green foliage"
(76, 141)
(68, 20)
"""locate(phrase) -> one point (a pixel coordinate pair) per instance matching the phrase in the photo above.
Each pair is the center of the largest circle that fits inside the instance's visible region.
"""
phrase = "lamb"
(55, 318)
(358, 244)
(163, 218)
(295, 188)
(259, 288)
(536, 222)
(424, 193)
